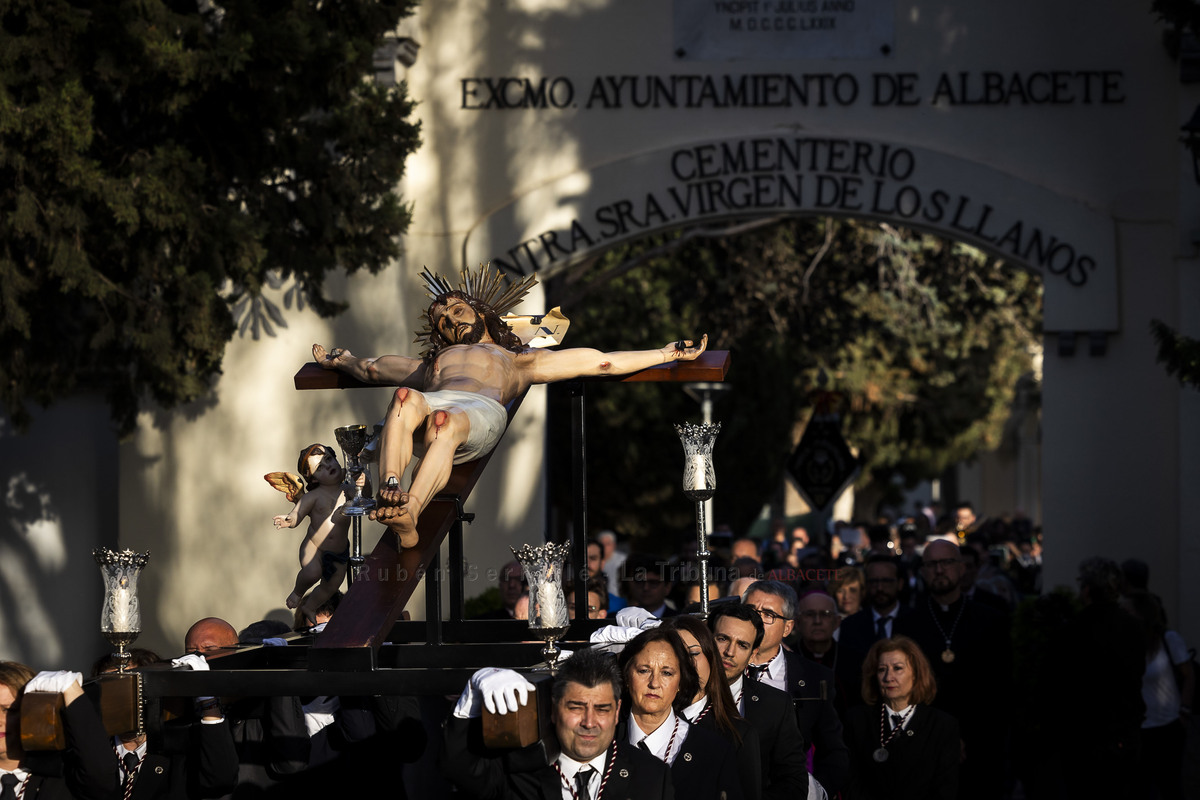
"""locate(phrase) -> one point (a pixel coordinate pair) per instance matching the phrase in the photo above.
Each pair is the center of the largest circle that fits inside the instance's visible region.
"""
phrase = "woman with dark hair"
(900, 747)
(712, 706)
(660, 682)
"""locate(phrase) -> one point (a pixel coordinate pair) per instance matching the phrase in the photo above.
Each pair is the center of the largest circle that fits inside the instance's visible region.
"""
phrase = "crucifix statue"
(451, 400)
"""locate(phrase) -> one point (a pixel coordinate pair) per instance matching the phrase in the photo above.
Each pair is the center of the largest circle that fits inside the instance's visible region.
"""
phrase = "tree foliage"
(1179, 354)
(923, 338)
(161, 161)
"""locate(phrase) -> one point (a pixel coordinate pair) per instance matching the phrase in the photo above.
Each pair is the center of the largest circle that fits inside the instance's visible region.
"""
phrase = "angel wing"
(287, 482)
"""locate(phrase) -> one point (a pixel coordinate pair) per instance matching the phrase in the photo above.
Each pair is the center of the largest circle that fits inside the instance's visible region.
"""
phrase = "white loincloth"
(487, 417)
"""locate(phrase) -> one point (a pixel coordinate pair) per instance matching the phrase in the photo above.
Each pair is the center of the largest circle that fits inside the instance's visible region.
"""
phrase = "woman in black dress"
(712, 707)
(900, 747)
(660, 682)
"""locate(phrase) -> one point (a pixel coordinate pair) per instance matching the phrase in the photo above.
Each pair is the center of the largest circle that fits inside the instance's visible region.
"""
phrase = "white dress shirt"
(736, 689)
(569, 766)
(667, 735)
(691, 712)
(776, 674)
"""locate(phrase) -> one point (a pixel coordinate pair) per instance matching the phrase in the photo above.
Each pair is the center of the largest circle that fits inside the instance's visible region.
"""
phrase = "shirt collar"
(906, 712)
(776, 673)
(660, 739)
(691, 712)
(570, 766)
(119, 749)
(876, 616)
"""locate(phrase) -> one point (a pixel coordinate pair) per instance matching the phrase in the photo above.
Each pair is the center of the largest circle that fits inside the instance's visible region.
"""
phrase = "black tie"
(642, 744)
(9, 792)
(881, 627)
(896, 720)
(131, 762)
(582, 779)
(754, 672)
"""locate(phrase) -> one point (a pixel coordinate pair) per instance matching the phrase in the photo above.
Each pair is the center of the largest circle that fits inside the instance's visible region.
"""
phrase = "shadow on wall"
(60, 483)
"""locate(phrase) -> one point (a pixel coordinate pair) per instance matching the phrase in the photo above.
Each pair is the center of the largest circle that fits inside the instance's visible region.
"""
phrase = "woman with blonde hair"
(848, 587)
(900, 747)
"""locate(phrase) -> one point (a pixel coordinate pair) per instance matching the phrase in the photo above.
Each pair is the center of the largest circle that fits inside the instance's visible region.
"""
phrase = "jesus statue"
(451, 400)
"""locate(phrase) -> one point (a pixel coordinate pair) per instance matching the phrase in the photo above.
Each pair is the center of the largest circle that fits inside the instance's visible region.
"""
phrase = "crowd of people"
(915, 658)
(922, 658)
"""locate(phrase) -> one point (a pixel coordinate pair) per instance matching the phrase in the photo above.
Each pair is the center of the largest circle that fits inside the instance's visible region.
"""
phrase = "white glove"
(193, 661)
(498, 690)
(54, 681)
(634, 617)
(612, 638)
(274, 641)
(196, 663)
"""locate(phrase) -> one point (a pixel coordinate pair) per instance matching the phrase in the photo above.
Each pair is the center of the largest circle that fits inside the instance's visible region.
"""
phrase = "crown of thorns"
(484, 286)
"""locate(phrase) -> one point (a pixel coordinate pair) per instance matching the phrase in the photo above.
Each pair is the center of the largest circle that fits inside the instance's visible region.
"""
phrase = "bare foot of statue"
(404, 526)
(293, 600)
(385, 512)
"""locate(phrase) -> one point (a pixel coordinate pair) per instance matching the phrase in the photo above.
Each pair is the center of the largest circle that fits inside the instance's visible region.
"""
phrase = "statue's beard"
(469, 333)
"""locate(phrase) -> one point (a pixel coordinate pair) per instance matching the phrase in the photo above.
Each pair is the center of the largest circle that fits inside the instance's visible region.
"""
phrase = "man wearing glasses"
(597, 595)
(810, 685)
(816, 620)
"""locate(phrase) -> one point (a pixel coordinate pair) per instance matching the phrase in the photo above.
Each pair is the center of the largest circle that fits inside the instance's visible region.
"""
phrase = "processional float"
(367, 648)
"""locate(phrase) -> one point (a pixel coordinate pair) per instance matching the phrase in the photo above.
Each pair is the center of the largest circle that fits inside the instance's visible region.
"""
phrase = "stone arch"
(568, 220)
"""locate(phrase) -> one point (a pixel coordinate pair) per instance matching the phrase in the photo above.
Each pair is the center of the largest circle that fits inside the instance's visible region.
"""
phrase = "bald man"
(211, 636)
(967, 645)
(269, 733)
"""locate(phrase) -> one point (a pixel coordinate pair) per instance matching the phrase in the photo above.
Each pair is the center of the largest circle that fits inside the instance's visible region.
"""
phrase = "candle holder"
(699, 485)
(548, 617)
(120, 617)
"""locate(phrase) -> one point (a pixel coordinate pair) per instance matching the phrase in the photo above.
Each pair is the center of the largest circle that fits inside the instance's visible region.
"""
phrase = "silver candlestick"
(699, 485)
(120, 617)
(548, 617)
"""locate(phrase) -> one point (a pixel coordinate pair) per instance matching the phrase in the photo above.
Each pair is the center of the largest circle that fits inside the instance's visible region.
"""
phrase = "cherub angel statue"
(319, 493)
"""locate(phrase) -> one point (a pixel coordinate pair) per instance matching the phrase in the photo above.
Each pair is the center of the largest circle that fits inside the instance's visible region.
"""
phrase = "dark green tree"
(1179, 354)
(925, 340)
(162, 161)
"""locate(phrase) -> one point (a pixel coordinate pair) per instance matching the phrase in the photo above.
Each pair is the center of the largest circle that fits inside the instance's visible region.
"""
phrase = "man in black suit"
(738, 631)
(882, 614)
(967, 645)
(585, 707)
(810, 685)
(181, 758)
(646, 584)
(269, 733)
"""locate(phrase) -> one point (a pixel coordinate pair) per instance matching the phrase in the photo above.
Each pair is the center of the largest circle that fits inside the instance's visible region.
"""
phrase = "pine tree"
(160, 162)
